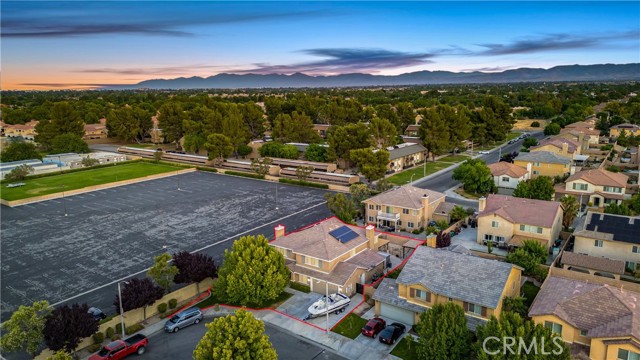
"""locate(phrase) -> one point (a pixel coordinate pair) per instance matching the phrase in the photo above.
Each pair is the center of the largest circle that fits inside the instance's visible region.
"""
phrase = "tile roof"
(602, 310)
(579, 124)
(407, 196)
(507, 168)
(338, 276)
(626, 126)
(457, 275)
(387, 292)
(558, 142)
(94, 127)
(543, 157)
(444, 208)
(402, 150)
(366, 259)
(600, 177)
(522, 211)
(610, 227)
(593, 262)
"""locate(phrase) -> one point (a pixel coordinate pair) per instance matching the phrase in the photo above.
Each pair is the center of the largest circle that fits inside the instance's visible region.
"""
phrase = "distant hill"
(604, 72)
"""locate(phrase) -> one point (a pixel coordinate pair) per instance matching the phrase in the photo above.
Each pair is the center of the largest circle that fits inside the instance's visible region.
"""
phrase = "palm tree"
(570, 206)
(458, 213)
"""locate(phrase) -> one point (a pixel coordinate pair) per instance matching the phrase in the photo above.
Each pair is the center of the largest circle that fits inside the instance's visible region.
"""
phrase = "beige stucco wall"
(422, 218)
(558, 151)
(544, 169)
(615, 250)
(507, 229)
(616, 132)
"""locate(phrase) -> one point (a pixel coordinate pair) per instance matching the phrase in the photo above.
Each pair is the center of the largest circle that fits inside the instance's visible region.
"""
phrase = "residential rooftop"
(600, 177)
(402, 150)
(610, 227)
(593, 262)
(506, 168)
(521, 211)
(559, 143)
(406, 196)
(543, 157)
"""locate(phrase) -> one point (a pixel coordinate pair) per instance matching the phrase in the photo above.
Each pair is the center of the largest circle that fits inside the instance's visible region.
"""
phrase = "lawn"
(454, 158)
(350, 326)
(460, 191)
(77, 180)
(142, 146)
(406, 349)
(530, 291)
(404, 177)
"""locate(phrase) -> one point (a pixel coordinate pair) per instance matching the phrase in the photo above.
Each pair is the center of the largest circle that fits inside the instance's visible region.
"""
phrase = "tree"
(443, 333)
(515, 304)
(303, 172)
(64, 119)
(129, 123)
(252, 118)
(253, 273)
(552, 129)
(67, 325)
(89, 162)
(19, 173)
(570, 206)
(490, 345)
(279, 150)
(244, 150)
(193, 268)
(235, 336)
(343, 139)
(138, 293)
(443, 239)
(233, 126)
(529, 142)
(373, 165)
(19, 150)
(60, 355)
(342, 206)
(475, 176)
(383, 132)
(316, 152)
(68, 143)
(434, 132)
(529, 256)
(458, 213)
(218, 147)
(459, 123)
(540, 188)
(294, 128)
(359, 193)
(614, 208)
(261, 165)
(163, 272)
(170, 121)
(23, 331)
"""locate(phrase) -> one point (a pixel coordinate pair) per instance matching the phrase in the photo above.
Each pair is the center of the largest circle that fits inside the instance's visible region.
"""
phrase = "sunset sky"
(81, 44)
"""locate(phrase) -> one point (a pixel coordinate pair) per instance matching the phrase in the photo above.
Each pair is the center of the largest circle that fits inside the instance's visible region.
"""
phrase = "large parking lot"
(111, 234)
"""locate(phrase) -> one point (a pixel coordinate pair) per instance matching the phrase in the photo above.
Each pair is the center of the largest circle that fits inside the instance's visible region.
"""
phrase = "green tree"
(19, 173)
(253, 121)
(19, 150)
(303, 172)
(515, 304)
(614, 208)
(434, 133)
(570, 206)
(157, 156)
(316, 152)
(60, 355)
(218, 147)
(68, 143)
(163, 272)
(23, 331)
(170, 121)
(529, 142)
(529, 256)
(458, 213)
(244, 150)
(475, 176)
(341, 206)
(233, 126)
(406, 115)
(294, 128)
(383, 132)
(89, 162)
(64, 119)
(129, 123)
(253, 273)
(261, 165)
(443, 333)
(359, 193)
(552, 129)
(459, 122)
(373, 165)
(235, 336)
(540, 188)
(343, 139)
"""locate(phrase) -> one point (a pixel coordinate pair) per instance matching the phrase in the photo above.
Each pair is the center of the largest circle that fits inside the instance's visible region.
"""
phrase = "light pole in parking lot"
(121, 311)
(64, 201)
(276, 196)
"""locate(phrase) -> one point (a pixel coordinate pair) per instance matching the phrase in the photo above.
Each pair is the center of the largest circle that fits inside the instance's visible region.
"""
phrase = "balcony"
(388, 216)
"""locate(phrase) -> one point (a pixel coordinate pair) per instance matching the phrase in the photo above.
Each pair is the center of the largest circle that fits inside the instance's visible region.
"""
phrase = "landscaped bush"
(204, 168)
(173, 303)
(134, 328)
(535, 124)
(162, 308)
(94, 347)
(98, 337)
(109, 332)
(115, 337)
(304, 183)
(118, 329)
(300, 287)
(253, 176)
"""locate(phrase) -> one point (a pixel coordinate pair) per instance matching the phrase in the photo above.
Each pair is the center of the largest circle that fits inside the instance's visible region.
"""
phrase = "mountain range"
(602, 72)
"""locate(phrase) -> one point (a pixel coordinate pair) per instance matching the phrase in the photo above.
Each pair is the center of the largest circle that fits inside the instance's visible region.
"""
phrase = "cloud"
(71, 85)
(166, 70)
(62, 30)
(344, 60)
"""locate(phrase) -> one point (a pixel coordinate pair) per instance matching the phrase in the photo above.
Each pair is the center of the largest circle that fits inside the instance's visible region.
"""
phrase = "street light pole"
(121, 311)
(326, 284)
(64, 202)
(276, 196)
(411, 181)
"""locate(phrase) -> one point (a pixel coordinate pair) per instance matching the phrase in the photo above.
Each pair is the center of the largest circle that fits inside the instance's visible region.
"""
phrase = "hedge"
(304, 183)
(162, 308)
(173, 303)
(253, 176)
(210, 169)
(134, 328)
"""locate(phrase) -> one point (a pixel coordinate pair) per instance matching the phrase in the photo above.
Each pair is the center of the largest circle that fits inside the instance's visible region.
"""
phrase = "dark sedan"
(373, 327)
(391, 333)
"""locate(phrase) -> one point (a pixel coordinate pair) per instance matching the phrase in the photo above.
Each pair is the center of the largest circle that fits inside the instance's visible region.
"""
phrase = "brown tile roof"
(506, 168)
(316, 242)
(558, 142)
(593, 262)
(600, 177)
(20, 126)
(522, 211)
(94, 127)
(602, 310)
(579, 124)
(366, 259)
(518, 240)
(627, 126)
(339, 276)
(412, 128)
(407, 196)
(444, 208)
(578, 131)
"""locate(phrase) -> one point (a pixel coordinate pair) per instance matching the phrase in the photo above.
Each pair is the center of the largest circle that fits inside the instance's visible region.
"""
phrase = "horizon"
(88, 45)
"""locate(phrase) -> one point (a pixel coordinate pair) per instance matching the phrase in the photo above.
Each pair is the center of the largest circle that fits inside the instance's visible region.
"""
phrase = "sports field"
(81, 179)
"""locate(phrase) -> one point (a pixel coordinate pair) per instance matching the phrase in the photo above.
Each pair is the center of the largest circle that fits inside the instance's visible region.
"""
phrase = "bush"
(98, 338)
(304, 183)
(244, 150)
(134, 328)
(416, 231)
(173, 303)
(109, 332)
(300, 287)
(94, 347)
(115, 337)
(606, 147)
(535, 124)
(162, 308)
(204, 168)
(253, 176)
(612, 168)
(118, 329)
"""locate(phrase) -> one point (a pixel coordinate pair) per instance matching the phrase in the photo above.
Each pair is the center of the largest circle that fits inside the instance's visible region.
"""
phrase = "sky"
(83, 44)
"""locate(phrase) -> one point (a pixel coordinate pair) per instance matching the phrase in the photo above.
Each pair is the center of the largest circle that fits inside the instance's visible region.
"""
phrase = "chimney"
(482, 203)
(278, 231)
(370, 233)
(565, 148)
(431, 240)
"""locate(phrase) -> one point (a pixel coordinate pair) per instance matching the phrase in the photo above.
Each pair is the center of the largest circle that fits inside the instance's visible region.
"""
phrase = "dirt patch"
(526, 124)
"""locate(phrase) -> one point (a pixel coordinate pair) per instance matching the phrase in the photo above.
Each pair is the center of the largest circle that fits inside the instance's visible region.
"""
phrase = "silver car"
(183, 319)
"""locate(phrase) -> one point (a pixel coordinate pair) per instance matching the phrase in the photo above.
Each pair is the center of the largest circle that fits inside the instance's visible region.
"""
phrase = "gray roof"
(464, 277)
(543, 157)
(406, 150)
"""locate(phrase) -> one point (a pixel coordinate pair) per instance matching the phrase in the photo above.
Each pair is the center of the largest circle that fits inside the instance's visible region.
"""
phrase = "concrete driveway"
(297, 306)
(374, 343)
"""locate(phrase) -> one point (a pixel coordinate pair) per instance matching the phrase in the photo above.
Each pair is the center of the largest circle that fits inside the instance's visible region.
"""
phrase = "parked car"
(183, 319)
(97, 313)
(119, 349)
(391, 333)
(483, 152)
(373, 327)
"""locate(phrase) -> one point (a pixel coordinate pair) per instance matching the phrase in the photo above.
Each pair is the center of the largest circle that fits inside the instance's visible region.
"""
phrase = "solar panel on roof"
(343, 234)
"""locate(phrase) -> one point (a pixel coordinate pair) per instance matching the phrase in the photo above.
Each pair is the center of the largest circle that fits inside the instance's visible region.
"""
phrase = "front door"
(596, 201)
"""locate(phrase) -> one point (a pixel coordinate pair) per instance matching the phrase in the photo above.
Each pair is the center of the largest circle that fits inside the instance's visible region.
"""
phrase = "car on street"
(373, 327)
(183, 319)
(119, 349)
(391, 333)
(97, 313)
(483, 152)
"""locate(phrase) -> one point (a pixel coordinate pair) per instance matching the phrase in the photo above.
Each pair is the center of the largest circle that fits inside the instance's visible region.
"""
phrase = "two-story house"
(331, 253)
(603, 317)
(559, 146)
(406, 207)
(96, 131)
(405, 155)
(437, 276)
(508, 175)
(510, 220)
(629, 129)
(615, 237)
(597, 186)
(543, 163)
(26, 131)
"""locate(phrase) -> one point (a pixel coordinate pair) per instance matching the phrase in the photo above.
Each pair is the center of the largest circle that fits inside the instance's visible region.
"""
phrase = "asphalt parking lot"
(111, 234)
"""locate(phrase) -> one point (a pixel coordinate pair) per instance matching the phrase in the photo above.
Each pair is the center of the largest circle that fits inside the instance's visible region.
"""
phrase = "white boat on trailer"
(337, 303)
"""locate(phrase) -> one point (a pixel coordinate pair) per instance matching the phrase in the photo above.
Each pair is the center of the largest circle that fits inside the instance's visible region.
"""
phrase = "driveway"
(374, 343)
(297, 307)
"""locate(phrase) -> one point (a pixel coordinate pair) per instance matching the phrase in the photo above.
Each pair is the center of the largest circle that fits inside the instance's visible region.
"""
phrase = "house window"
(539, 230)
(631, 266)
(410, 225)
(475, 309)
(303, 259)
(583, 332)
(488, 237)
(320, 263)
(416, 212)
(289, 254)
(505, 179)
(627, 355)
(613, 189)
(405, 211)
(371, 219)
(378, 207)
(578, 186)
(531, 229)
(556, 328)
(536, 164)
(399, 222)
(371, 207)
(420, 294)
(536, 172)
(598, 243)
(389, 209)
(499, 238)
(635, 249)
(495, 224)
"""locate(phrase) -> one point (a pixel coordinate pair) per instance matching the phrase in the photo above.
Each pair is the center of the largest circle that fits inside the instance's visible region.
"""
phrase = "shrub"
(253, 176)
(612, 168)
(304, 183)
(134, 328)
(98, 337)
(204, 168)
(173, 303)
(109, 332)
(118, 329)
(416, 231)
(300, 287)
(216, 307)
(244, 150)
(535, 124)
(94, 347)
(162, 308)
(115, 337)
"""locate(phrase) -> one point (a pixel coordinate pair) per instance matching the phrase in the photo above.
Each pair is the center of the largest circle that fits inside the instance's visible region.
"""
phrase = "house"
(405, 155)
(511, 220)
(437, 276)
(508, 175)
(543, 163)
(560, 146)
(596, 186)
(331, 253)
(321, 129)
(581, 125)
(412, 130)
(583, 136)
(26, 131)
(95, 131)
(629, 129)
(405, 207)
(603, 317)
(73, 160)
(615, 237)
(593, 265)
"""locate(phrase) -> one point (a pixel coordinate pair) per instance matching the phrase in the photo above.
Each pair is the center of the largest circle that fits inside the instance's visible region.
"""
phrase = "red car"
(119, 349)
(373, 327)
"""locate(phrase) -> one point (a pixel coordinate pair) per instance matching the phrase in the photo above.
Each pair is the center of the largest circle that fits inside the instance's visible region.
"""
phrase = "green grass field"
(406, 349)
(404, 177)
(350, 326)
(77, 180)
(454, 158)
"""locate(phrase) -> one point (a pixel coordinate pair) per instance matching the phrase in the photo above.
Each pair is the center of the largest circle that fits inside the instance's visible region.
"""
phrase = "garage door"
(396, 313)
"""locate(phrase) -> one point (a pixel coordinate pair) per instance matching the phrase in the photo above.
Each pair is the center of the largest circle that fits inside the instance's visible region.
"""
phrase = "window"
(371, 207)
(583, 332)
(488, 237)
(578, 186)
(389, 209)
(495, 224)
(536, 172)
(410, 225)
(531, 229)
(416, 212)
(613, 189)
(289, 253)
(505, 179)
(598, 243)
(399, 222)
(405, 211)
(371, 219)
(320, 263)
(627, 355)
(635, 249)
(378, 207)
(556, 328)
(303, 259)
(499, 238)
(420, 294)
(539, 230)
(475, 309)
